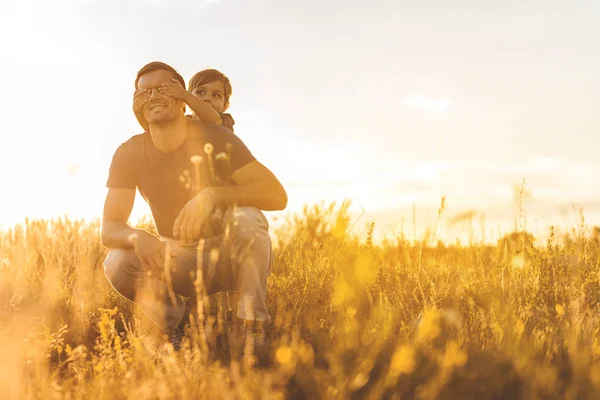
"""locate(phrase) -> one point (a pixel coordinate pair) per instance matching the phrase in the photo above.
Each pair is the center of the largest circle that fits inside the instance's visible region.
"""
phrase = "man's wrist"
(219, 195)
(134, 236)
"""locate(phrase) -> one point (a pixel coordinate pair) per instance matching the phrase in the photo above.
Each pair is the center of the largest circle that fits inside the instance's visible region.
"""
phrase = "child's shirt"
(227, 121)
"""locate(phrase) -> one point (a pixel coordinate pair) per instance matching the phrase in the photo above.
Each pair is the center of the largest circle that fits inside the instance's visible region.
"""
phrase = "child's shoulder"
(227, 121)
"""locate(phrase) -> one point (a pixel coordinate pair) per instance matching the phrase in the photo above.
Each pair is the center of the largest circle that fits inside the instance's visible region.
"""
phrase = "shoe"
(258, 344)
(176, 335)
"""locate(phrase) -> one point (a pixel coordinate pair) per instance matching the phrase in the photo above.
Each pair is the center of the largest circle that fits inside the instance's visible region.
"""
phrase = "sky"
(390, 104)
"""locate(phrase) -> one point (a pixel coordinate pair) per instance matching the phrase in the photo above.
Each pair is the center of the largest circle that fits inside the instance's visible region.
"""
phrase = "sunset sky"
(387, 103)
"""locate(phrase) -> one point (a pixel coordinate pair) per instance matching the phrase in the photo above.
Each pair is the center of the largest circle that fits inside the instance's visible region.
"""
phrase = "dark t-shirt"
(167, 181)
(227, 121)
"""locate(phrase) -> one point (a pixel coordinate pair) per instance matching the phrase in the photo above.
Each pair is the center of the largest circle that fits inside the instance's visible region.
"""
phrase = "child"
(207, 95)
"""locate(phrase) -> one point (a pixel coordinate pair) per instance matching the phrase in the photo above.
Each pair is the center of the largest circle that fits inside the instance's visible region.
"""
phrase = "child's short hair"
(211, 75)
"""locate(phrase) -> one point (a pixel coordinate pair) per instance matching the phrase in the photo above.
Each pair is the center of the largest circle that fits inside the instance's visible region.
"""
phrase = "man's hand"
(188, 224)
(140, 98)
(150, 250)
(174, 90)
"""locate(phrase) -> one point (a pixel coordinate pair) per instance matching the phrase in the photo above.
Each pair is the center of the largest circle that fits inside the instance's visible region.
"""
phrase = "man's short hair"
(157, 65)
(208, 76)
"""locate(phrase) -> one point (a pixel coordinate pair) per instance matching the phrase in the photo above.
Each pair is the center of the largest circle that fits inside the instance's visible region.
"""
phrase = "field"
(401, 319)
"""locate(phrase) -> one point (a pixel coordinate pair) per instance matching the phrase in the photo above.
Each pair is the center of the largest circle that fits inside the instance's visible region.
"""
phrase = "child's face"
(212, 93)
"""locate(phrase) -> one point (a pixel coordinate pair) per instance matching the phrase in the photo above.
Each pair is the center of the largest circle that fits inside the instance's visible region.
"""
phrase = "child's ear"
(225, 107)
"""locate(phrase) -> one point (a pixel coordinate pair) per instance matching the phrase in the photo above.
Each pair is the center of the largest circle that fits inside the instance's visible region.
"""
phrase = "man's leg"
(243, 266)
(250, 255)
(126, 274)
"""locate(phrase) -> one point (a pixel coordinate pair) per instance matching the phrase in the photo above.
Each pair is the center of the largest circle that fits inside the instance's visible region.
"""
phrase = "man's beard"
(161, 118)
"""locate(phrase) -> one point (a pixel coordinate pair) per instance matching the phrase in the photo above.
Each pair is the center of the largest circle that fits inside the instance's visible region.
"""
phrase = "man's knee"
(248, 224)
(119, 267)
(249, 232)
(120, 260)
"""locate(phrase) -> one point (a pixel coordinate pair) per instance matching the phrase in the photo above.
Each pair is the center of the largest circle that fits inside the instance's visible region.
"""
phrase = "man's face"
(159, 108)
(213, 93)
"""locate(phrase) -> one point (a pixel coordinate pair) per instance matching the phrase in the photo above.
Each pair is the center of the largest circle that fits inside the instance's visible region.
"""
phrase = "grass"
(352, 319)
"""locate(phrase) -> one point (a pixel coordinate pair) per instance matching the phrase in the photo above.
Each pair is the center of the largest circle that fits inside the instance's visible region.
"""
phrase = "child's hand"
(140, 98)
(174, 90)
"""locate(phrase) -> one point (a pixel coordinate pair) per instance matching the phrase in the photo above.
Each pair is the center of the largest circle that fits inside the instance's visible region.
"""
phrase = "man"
(189, 173)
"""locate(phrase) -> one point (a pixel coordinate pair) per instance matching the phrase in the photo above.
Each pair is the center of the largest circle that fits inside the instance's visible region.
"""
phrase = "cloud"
(439, 104)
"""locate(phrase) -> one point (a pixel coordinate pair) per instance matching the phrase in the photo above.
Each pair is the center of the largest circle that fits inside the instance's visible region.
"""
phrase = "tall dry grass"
(352, 319)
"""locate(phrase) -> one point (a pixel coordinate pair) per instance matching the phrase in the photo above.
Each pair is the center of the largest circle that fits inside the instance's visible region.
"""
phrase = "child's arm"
(203, 110)
(140, 98)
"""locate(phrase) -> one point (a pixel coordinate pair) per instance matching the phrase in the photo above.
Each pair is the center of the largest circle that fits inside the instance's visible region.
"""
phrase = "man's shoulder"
(139, 138)
(219, 130)
(136, 141)
(214, 133)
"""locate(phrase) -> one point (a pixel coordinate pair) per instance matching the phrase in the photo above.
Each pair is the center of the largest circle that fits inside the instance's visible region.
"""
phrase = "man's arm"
(256, 187)
(116, 233)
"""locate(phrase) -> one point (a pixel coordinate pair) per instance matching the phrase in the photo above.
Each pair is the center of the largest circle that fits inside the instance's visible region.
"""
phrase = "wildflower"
(454, 356)
(5, 263)
(403, 361)
(222, 156)
(214, 256)
(208, 149)
(306, 353)
(519, 327)
(359, 381)
(429, 327)
(518, 261)
(284, 356)
(364, 272)
(560, 310)
(196, 160)
(342, 292)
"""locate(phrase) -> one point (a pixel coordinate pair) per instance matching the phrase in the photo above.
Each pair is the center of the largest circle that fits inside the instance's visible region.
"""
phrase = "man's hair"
(208, 76)
(155, 66)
